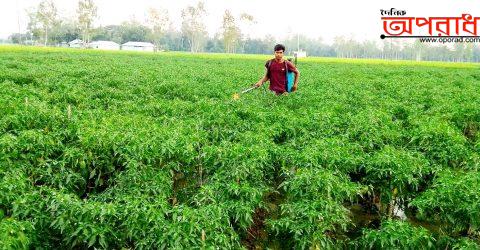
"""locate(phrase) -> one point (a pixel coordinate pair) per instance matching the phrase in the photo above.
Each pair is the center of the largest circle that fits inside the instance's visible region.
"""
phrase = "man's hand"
(261, 81)
(294, 87)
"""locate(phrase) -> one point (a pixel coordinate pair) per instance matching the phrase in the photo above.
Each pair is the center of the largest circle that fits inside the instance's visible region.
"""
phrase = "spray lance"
(236, 96)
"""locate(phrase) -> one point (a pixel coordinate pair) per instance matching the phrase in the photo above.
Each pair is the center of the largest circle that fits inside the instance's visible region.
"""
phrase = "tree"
(230, 32)
(158, 21)
(17, 38)
(459, 51)
(370, 49)
(247, 20)
(174, 40)
(418, 47)
(257, 46)
(339, 44)
(476, 53)
(468, 52)
(127, 31)
(46, 16)
(109, 33)
(391, 48)
(313, 46)
(193, 27)
(87, 12)
(64, 31)
(134, 31)
(214, 45)
(246, 23)
(33, 28)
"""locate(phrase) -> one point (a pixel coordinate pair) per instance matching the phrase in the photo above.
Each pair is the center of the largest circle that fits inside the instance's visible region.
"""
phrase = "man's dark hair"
(279, 47)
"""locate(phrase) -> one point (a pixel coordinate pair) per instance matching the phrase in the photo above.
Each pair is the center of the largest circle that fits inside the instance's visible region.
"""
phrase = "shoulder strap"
(286, 75)
(268, 67)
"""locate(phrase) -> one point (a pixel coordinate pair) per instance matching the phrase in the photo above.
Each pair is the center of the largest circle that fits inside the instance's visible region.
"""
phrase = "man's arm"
(261, 81)
(264, 78)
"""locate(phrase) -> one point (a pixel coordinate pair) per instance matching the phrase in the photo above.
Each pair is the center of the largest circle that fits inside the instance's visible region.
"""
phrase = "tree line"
(46, 27)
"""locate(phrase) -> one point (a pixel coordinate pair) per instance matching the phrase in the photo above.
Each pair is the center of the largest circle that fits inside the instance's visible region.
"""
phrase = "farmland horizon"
(432, 63)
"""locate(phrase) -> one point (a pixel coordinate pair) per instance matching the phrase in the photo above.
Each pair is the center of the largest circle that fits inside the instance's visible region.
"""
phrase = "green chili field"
(117, 150)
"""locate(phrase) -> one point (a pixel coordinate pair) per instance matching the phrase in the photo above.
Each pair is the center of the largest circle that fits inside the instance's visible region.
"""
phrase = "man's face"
(278, 54)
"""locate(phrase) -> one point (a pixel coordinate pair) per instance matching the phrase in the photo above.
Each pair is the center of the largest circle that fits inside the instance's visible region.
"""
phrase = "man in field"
(276, 72)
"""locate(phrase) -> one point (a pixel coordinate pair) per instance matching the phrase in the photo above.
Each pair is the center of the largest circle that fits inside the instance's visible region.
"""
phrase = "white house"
(77, 43)
(104, 45)
(300, 53)
(138, 46)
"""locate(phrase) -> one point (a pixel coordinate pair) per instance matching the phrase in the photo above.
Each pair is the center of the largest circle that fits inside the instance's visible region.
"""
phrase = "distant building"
(104, 45)
(300, 53)
(138, 46)
(77, 43)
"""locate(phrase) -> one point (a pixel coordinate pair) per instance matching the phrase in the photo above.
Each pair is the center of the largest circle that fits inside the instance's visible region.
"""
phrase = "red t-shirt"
(278, 76)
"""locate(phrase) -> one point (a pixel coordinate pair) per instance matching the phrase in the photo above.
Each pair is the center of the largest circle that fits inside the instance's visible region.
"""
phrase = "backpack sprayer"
(290, 80)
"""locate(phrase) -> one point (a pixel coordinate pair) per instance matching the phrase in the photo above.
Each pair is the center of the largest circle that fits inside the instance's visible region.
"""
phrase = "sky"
(280, 18)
